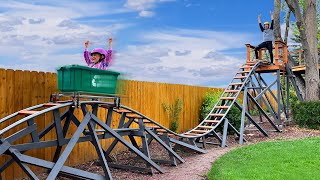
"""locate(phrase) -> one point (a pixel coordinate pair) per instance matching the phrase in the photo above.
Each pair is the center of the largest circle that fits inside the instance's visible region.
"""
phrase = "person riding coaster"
(268, 37)
(99, 57)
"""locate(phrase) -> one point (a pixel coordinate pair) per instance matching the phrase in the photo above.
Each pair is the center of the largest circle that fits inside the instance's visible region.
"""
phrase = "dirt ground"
(196, 165)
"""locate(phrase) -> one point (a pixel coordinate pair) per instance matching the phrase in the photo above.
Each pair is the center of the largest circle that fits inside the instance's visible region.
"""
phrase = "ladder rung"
(161, 130)
(246, 66)
(240, 77)
(107, 105)
(227, 98)
(222, 107)
(217, 115)
(50, 104)
(121, 110)
(233, 91)
(63, 101)
(205, 127)
(250, 63)
(144, 121)
(211, 121)
(242, 72)
(232, 84)
(153, 127)
(134, 116)
(26, 112)
(200, 131)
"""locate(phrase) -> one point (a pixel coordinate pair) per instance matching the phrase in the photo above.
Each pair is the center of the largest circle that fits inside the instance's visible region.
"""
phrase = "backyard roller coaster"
(248, 84)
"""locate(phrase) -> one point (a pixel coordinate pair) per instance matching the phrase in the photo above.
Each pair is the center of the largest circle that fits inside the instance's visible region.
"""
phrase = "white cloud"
(181, 56)
(144, 6)
(146, 13)
(42, 37)
(34, 32)
(290, 34)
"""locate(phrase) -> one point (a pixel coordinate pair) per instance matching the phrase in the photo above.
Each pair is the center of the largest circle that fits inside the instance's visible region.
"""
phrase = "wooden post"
(285, 52)
(248, 52)
(260, 54)
(300, 57)
(276, 57)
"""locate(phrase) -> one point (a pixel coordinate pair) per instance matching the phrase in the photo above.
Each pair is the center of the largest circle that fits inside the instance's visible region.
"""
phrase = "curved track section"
(216, 115)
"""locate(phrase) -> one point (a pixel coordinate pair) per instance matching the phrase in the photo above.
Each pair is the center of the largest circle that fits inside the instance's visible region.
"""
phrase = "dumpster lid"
(76, 66)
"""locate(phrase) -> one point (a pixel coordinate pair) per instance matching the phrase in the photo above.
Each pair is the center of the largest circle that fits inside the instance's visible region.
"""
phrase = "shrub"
(173, 112)
(210, 99)
(307, 114)
(234, 117)
(293, 99)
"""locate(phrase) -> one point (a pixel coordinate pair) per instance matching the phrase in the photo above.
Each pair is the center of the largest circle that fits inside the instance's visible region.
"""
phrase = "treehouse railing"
(280, 51)
(298, 54)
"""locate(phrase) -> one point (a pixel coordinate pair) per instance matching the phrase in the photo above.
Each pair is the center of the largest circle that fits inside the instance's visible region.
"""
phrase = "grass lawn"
(295, 159)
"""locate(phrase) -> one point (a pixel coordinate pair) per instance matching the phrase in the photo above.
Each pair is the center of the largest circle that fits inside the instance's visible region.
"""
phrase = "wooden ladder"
(227, 99)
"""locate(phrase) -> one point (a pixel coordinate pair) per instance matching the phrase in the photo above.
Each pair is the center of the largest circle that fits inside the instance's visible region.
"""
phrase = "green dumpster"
(76, 78)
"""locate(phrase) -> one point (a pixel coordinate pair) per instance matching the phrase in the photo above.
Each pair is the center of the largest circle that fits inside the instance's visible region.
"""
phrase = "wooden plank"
(49, 104)
(232, 84)
(232, 91)
(49, 89)
(40, 95)
(153, 127)
(11, 108)
(211, 121)
(8, 174)
(205, 127)
(144, 121)
(26, 112)
(161, 130)
(121, 110)
(243, 72)
(240, 77)
(133, 116)
(222, 107)
(199, 131)
(245, 66)
(191, 134)
(227, 98)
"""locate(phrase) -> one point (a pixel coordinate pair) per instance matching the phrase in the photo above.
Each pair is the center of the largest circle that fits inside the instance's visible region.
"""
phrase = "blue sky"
(196, 42)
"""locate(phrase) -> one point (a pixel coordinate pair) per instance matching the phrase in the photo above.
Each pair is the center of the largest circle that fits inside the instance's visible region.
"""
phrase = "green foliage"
(307, 114)
(297, 159)
(296, 34)
(234, 116)
(173, 112)
(210, 99)
(293, 98)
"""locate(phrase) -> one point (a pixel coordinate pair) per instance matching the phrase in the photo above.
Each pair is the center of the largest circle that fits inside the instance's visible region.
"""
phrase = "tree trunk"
(286, 33)
(276, 17)
(312, 70)
(277, 32)
(307, 33)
